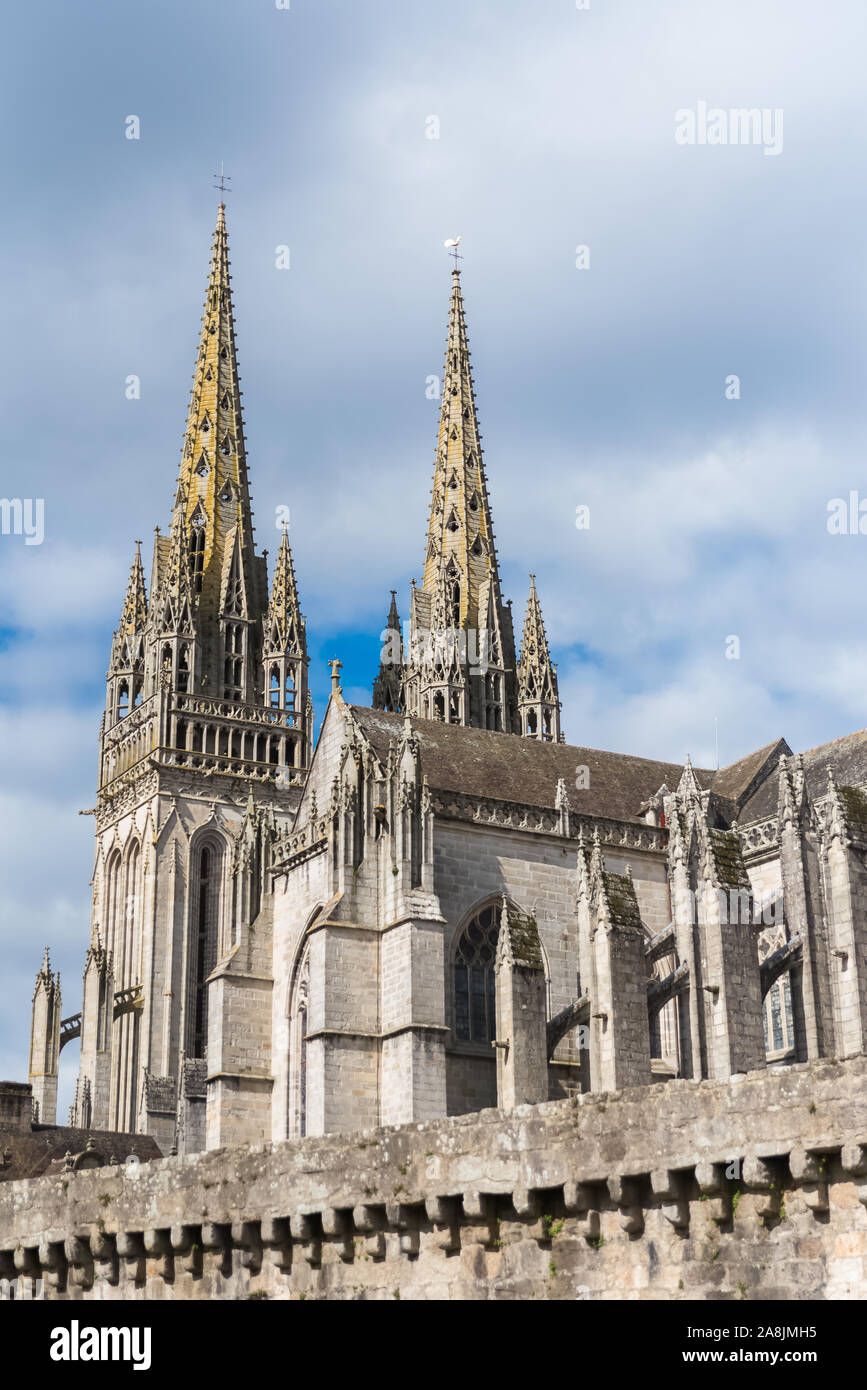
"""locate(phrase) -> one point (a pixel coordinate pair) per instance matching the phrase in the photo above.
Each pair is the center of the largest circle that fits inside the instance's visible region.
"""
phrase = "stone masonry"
(687, 1190)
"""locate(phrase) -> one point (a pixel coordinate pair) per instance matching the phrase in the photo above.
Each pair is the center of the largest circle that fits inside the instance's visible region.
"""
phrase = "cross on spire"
(222, 180)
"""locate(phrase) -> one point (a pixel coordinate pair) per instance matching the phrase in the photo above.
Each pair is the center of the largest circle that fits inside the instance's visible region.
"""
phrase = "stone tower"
(204, 743)
(460, 667)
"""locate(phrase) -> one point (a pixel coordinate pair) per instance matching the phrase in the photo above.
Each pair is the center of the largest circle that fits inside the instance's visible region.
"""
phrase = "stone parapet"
(754, 1188)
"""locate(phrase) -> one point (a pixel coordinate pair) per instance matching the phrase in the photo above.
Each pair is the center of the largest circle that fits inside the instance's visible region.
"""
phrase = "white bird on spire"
(452, 241)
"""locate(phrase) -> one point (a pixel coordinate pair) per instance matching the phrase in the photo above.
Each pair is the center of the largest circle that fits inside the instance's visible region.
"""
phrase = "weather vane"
(223, 180)
(452, 247)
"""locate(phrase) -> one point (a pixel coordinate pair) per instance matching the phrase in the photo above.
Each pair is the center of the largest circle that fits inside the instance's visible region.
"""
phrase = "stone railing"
(691, 1190)
(512, 815)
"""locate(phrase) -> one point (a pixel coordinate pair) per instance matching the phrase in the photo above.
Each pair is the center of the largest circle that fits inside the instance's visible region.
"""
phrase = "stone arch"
(209, 862)
(297, 1012)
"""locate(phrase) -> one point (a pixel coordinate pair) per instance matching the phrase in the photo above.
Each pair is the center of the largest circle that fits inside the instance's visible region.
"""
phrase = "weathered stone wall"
(752, 1189)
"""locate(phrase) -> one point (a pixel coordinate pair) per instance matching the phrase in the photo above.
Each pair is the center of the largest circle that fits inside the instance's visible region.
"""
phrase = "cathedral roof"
(479, 762)
(847, 756)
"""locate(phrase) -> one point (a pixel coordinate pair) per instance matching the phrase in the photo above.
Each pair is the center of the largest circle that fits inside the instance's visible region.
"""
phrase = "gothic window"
(197, 552)
(112, 911)
(778, 1019)
(453, 598)
(274, 691)
(493, 714)
(298, 1048)
(202, 465)
(226, 446)
(123, 700)
(439, 709)
(137, 695)
(184, 668)
(477, 547)
(127, 963)
(532, 724)
(289, 689)
(233, 677)
(475, 1018)
(209, 375)
(453, 524)
(224, 403)
(474, 503)
(226, 492)
(206, 421)
(546, 724)
(207, 867)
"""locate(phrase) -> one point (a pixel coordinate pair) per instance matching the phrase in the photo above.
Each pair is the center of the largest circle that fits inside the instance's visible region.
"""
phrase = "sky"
(603, 376)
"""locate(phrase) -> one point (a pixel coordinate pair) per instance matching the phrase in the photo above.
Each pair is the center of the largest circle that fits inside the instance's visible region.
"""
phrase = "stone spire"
(461, 665)
(285, 632)
(388, 686)
(132, 618)
(214, 487)
(538, 701)
(284, 649)
(47, 1007)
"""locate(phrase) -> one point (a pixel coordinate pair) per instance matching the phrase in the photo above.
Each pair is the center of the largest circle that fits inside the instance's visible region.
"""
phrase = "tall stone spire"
(461, 664)
(538, 700)
(208, 585)
(214, 485)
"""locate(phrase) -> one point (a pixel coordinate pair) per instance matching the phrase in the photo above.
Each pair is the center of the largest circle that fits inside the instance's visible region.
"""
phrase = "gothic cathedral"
(442, 906)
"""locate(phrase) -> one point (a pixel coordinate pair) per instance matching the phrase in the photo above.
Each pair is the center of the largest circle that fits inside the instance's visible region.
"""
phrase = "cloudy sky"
(603, 386)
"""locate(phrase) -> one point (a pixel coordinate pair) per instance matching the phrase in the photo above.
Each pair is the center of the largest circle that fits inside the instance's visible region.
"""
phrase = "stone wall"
(754, 1189)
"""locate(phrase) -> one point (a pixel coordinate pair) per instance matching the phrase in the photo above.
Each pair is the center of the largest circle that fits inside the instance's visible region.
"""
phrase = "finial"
(221, 181)
(452, 247)
(336, 667)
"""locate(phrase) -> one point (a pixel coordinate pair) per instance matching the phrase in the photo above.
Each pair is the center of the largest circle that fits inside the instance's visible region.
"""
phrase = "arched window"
(129, 961)
(290, 688)
(275, 687)
(197, 552)
(297, 1116)
(184, 669)
(475, 1018)
(113, 911)
(123, 701)
(778, 1019)
(206, 877)
(233, 675)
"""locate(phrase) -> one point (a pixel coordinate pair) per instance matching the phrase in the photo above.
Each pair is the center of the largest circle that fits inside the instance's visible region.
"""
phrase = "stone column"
(522, 1014)
(45, 1042)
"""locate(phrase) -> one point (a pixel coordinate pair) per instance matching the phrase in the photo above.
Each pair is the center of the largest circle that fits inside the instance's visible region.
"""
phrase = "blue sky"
(602, 386)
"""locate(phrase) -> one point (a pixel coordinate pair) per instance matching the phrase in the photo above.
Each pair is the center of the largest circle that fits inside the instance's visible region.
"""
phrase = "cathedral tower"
(461, 658)
(459, 666)
(205, 740)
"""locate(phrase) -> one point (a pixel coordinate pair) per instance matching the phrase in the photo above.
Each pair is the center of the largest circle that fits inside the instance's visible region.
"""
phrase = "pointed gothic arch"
(208, 860)
(297, 1119)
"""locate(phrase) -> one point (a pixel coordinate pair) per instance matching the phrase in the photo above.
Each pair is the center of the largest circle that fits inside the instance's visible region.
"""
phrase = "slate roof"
(847, 756)
(504, 767)
(481, 763)
(42, 1152)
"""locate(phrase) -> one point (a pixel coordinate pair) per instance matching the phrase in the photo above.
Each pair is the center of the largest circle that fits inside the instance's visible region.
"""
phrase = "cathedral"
(440, 905)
